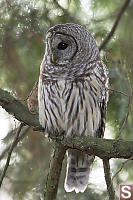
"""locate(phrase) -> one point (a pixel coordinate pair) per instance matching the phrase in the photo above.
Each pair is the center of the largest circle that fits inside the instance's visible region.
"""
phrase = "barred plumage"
(72, 94)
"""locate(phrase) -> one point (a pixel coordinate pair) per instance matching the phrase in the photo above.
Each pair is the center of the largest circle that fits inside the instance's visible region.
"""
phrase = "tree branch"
(54, 173)
(10, 153)
(119, 92)
(110, 34)
(109, 182)
(103, 148)
(120, 169)
(126, 117)
(17, 109)
(21, 136)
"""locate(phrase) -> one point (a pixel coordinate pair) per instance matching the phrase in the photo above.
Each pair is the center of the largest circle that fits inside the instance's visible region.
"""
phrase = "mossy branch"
(17, 109)
(103, 148)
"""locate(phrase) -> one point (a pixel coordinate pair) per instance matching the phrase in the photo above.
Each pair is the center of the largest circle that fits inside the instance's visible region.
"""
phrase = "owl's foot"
(56, 135)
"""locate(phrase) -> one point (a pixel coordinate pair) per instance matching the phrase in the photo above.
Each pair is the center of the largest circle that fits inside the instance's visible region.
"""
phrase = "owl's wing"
(104, 92)
(103, 107)
(103, 104)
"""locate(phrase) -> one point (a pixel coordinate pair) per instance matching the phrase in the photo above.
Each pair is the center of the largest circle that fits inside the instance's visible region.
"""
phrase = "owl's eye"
(62, 46)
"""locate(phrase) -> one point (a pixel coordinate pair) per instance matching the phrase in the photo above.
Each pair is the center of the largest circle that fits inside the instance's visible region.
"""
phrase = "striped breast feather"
(82, 113)
(68, 105)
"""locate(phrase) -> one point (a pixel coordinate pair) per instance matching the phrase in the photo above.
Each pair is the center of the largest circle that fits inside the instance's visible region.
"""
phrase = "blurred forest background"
(23, 25)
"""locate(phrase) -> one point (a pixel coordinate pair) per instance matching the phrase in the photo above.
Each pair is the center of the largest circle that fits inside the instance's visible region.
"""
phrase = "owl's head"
(69, 46)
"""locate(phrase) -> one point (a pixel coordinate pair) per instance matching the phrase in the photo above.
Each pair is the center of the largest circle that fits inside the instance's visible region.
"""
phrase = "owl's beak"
(53, 58)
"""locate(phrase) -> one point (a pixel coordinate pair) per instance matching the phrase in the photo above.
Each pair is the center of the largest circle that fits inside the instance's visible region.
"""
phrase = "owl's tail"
(78, 169)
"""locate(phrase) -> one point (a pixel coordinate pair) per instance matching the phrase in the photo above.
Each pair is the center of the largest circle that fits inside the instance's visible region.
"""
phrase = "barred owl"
(72, 94)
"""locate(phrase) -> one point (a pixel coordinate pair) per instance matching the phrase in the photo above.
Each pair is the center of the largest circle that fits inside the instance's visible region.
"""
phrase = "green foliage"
(23, 25)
